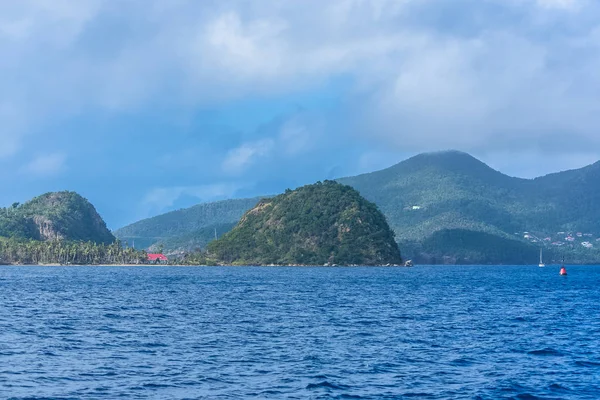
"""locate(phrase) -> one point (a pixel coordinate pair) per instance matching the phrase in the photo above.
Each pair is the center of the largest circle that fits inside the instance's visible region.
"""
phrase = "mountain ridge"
(453, 191)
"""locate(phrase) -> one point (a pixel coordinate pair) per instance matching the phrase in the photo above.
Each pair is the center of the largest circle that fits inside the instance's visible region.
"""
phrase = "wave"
(325, 385)
(545, 352)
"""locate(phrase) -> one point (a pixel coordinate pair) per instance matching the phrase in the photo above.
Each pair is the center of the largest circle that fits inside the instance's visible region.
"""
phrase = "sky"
(145, 106)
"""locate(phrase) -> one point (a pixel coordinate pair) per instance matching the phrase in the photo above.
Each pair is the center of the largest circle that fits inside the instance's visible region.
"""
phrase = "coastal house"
(157, 258)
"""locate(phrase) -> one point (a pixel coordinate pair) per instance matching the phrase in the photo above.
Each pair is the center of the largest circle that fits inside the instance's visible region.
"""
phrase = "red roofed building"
(157, 258)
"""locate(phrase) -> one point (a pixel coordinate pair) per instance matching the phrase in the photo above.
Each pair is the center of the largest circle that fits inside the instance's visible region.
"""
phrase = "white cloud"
(416, 83)
(295, 137)
(46, 165)
(245, 155)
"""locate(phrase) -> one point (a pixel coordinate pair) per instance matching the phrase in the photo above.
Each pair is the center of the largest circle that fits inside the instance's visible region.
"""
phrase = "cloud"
(471, 74)
(245, 155)
(295, 137)
(561, 4)
(45, 165)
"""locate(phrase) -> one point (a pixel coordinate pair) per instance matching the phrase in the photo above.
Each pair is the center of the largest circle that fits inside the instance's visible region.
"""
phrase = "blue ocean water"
(210, 332)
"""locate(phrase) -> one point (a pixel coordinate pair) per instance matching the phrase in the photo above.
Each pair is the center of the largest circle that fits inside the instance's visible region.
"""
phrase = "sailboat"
(541, 262)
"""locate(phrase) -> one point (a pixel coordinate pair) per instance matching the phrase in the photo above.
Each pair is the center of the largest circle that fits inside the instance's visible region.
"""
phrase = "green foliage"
(313, 225)
(14, 224)
(194, 240)
(451, 191)
(454, 191)
(459, 246)
(31, 252)
(58, 215)
(196, 258)
(188, 228)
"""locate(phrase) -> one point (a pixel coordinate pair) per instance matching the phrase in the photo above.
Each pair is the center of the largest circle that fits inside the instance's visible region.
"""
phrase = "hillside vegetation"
(453, 192)
(55, 216)
(60, 228)
(188, 228)
(324, 223)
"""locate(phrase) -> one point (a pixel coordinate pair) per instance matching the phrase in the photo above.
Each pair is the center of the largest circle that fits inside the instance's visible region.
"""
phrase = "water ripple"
(271, 333)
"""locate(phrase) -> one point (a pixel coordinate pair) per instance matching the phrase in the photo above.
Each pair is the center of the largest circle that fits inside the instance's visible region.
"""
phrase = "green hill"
(55, 216)
(453, 192)
(187, 228)
(460, 246)
(313, 225)
(193, 240)
(445, 192)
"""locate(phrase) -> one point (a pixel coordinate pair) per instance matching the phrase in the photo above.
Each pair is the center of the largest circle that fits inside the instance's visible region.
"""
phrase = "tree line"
(31, 252)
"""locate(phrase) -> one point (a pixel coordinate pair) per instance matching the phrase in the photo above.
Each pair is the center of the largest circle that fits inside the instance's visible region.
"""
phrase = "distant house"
(157, 258)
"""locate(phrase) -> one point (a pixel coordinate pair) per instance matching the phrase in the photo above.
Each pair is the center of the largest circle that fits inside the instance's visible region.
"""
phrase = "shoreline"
(197, 265)
(293, 266)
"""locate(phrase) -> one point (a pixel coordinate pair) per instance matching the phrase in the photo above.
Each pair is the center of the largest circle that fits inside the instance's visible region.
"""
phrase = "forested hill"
(446, 201)
(313, 225)
(444, 190)
(454, 192)
(186, 228)
(55, 216)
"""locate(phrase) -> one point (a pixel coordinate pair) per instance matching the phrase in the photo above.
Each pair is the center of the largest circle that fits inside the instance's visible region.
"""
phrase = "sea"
(428, 332)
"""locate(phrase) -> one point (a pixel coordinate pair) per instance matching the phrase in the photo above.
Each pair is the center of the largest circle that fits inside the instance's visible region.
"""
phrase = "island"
(325, 223)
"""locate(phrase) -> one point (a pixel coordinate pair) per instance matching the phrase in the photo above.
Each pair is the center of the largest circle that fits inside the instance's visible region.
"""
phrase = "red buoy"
(563, 270)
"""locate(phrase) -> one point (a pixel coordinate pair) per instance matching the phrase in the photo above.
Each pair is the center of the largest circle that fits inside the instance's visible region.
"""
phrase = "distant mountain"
(574, 198)
(454, 192)
(51, 216)
(192, 241)
(187, 228)
(313, 225)
(445, 190)
(431, 197)
(461, 246)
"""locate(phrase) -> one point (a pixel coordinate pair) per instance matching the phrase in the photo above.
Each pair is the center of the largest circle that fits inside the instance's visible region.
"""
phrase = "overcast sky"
(144, 106)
